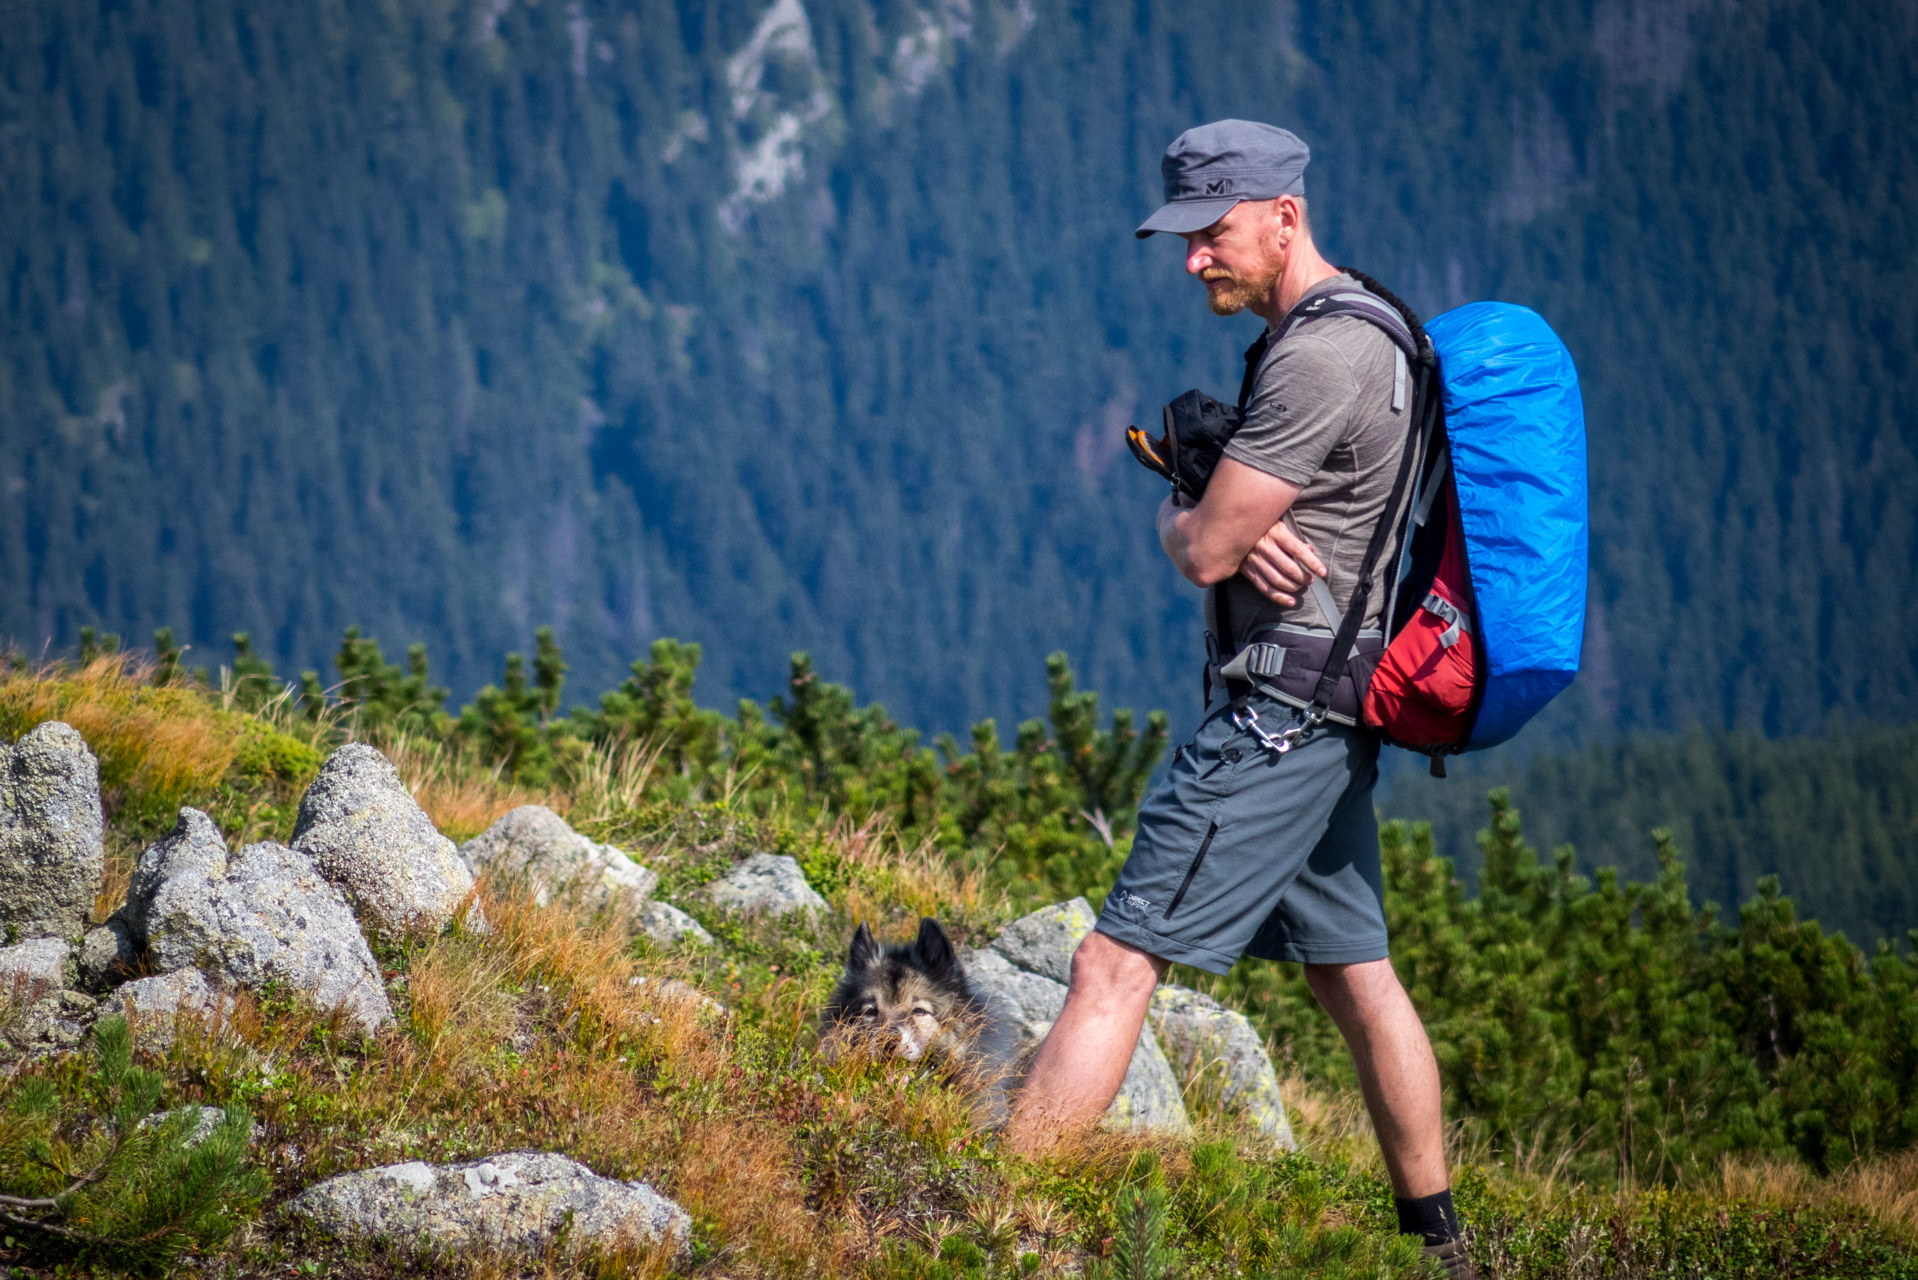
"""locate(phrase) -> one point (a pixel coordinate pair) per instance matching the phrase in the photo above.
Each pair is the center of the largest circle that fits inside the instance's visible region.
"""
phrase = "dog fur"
(914, 1002)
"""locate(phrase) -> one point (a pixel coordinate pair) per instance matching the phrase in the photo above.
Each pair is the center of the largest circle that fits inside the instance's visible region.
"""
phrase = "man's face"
(1237, 257)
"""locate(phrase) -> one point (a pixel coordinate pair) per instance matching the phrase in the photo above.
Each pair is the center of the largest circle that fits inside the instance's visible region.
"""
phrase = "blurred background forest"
(813, 326)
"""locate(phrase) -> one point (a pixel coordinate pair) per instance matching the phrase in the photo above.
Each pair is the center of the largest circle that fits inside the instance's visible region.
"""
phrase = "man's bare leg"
(1396, 1069)
(1083, 1061)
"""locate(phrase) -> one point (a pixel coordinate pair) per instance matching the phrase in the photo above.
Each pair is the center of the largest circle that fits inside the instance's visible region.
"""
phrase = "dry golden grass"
(894, 883)
(1886, 1187)
(460, 794)
(610, 780)
(165, 741)
(536, 1035)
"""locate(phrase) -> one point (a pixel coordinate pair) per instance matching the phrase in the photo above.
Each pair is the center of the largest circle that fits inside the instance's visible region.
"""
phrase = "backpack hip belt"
(1285, 663)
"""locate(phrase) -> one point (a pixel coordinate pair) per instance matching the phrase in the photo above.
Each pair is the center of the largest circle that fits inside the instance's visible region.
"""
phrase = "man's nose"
(1197, 259)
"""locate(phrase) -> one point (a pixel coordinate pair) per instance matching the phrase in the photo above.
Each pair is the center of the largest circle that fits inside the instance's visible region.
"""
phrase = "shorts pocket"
(1198, 860)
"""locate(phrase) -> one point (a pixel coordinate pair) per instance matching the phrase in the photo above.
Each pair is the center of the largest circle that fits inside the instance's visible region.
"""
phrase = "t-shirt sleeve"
(1299, 410)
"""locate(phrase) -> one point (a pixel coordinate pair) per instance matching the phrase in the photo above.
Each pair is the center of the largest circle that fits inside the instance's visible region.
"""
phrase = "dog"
(914, 1002)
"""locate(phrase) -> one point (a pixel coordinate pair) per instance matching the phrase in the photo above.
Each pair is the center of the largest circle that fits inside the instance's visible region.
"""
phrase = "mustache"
(1216, 273)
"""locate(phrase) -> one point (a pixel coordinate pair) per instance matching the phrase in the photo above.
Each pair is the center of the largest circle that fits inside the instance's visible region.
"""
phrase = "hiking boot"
(1453, 1262)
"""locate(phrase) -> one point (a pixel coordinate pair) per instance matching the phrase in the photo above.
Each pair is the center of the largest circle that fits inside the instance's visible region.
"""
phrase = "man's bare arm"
(1210, 542)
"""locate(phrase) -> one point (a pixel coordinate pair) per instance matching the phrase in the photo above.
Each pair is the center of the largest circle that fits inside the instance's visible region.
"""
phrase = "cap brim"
(1182, 217)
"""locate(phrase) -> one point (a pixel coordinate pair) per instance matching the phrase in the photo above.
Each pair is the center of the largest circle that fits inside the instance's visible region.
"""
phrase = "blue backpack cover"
(1516, 429)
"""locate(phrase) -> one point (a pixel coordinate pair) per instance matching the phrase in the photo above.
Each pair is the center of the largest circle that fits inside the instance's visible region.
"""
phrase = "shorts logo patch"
(1134, 901)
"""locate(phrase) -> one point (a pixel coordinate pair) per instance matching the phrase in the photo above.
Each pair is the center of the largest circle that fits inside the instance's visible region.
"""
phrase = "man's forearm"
(1182, 533)
(1210, 541)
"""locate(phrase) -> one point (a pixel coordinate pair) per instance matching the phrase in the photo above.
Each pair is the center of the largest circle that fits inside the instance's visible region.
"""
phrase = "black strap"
(1221, 596)
(1348, 632)
(1398, 322)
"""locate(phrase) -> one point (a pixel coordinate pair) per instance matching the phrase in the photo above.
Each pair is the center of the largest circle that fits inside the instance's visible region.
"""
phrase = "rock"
(678, 992)
(47, 1022)
(1149, 1098)
(260, 915)
(205, 1120)
(668, 926)
(1037, 999)
(765, 884)
(51, 855)
(30, 969)
(518, 1201)
(1205, 1039)
(367, 835)
(106, 951)
(155, 1006)
(1044, 941)
(535, 845)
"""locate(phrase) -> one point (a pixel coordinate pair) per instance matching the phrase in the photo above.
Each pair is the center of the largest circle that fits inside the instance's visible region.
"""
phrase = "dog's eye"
(869, 1011)
(921, 1011)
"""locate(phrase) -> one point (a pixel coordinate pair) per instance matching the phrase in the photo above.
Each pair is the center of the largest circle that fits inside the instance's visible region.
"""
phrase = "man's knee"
(1359, 987)
(1105, 969)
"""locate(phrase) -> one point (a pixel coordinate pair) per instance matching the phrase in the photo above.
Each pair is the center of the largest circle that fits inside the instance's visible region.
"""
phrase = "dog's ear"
(935, 950)
(864, 952)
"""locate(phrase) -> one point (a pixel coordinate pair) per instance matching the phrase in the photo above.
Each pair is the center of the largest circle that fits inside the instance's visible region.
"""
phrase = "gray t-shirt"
(1321, 417)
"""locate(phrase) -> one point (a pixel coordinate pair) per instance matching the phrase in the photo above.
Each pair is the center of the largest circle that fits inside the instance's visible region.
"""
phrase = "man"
(1245, 850)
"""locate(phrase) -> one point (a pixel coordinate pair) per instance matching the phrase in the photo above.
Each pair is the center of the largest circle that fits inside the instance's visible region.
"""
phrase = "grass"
(536, 1036)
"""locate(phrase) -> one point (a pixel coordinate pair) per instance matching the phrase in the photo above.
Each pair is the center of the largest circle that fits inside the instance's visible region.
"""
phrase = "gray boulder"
(668, 926)
(676, 991)
(260, 915)
(29, 969)
(1208, 1042)
(366, 834)
(155, 1006)
(106, 951)
(516, 1202)
(534, 845)
(1036, 999)
(765, 884)
(1044, 941)
(51, 854)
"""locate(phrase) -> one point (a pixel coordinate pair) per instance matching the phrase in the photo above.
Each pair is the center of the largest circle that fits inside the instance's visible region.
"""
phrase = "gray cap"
(1213, 167)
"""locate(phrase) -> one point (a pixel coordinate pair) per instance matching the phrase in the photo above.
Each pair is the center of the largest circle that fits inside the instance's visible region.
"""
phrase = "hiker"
(1246, 848)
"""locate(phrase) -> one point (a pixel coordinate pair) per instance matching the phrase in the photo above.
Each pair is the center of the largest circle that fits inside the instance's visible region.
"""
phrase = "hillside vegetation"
(1833, 816)
(1637, 1089)
(814, 325)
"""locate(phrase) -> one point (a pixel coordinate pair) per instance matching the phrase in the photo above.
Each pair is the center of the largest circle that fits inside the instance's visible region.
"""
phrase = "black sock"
(1432, 1217)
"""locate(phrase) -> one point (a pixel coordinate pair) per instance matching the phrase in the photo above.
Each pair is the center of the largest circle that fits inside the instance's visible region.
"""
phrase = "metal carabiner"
(1246, 720)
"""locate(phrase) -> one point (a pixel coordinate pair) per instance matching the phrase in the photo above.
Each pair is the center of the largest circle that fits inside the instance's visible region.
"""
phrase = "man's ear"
(935, 949)
(865, 951)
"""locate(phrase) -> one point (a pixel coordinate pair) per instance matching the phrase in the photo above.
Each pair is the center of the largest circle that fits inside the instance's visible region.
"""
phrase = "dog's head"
(904, 1000)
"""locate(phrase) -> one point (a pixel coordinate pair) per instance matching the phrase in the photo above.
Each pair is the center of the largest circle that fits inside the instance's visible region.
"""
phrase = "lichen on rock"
(259, 915)
(51, 851)
(535, 846)
(519, 1201)
(765, 884)
(366, 834)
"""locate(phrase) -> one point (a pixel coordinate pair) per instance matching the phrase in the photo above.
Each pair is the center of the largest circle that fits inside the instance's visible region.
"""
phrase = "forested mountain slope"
(1835, 817)
(813, 325)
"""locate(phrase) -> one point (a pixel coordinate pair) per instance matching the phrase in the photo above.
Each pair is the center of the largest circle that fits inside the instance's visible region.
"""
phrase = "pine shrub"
(90, 1172)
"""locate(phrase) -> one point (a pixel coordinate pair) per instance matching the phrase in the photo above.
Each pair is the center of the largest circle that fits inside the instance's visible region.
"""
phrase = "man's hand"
(1281, 564)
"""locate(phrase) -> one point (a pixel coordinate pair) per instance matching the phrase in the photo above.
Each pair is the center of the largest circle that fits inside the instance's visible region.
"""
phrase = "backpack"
(1487, 613)
(1489, 616)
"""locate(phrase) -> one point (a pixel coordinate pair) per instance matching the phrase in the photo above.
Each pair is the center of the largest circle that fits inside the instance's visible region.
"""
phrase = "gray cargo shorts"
(1241, 851)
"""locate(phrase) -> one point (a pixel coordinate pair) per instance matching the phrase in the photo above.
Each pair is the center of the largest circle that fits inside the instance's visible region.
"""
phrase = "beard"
(1241, 291)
